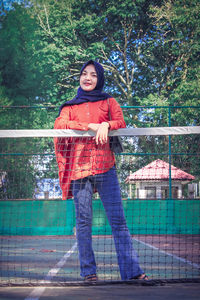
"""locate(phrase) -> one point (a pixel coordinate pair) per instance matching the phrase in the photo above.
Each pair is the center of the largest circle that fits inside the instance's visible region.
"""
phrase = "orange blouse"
(81, 157)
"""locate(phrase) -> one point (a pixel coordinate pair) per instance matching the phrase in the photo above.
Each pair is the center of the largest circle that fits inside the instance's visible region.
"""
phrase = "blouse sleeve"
(64, 121)
(116, 114)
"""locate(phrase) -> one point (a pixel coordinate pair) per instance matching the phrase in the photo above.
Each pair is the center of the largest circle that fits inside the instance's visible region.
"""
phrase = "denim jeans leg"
(109, 191)
(82, 192)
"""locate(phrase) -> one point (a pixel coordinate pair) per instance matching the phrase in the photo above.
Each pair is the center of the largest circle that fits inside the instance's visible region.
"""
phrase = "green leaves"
(146, 47)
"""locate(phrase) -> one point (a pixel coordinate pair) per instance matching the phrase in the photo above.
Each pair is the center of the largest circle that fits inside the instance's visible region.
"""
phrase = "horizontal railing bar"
(156, 131)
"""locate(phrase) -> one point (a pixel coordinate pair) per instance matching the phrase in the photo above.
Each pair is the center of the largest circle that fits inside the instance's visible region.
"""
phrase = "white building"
(152, 181)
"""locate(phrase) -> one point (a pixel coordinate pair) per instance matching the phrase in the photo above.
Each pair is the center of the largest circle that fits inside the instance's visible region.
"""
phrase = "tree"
(24, 78)
(117, 33)
(177, 25)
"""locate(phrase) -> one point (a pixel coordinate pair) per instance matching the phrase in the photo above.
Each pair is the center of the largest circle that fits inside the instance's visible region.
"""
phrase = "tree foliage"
(148, 48)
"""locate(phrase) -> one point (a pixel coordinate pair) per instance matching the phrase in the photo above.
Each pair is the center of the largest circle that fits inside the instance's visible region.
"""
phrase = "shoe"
(140, 277)
(91, 278)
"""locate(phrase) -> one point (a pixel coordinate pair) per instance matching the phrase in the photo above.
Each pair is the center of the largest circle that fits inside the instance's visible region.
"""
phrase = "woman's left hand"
(102, 133)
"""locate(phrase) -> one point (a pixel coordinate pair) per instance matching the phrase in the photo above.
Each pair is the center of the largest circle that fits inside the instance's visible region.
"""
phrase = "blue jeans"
(108, 188)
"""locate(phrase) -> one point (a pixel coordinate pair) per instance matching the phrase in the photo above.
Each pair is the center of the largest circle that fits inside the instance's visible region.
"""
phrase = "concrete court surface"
(182, 291)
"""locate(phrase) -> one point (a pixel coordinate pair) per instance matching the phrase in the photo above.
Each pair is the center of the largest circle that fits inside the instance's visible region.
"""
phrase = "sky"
(7, 4)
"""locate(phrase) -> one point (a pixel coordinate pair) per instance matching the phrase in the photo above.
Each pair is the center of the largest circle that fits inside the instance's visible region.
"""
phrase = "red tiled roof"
(159, 170)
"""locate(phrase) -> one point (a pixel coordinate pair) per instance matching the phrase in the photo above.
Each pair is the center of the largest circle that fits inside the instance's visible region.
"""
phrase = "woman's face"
(88, 78)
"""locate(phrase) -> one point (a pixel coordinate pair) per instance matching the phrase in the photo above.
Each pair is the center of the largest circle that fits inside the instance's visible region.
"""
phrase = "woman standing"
(87, 165)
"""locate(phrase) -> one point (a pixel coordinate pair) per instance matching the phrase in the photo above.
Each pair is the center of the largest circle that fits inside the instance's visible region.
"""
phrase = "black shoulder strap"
(109, 109)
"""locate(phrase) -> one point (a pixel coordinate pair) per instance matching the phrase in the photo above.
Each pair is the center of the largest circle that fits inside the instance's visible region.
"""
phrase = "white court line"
(169, 254)
(38, 291)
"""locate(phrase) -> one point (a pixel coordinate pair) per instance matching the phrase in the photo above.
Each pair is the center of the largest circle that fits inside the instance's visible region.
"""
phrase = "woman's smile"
(88, 78)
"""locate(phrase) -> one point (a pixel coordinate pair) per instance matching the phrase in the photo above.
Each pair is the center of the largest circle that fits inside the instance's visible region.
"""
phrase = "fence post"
(170, 200)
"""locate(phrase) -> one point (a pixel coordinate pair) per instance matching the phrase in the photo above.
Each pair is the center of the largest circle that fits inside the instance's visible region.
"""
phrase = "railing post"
(170, 201)
(170, 156)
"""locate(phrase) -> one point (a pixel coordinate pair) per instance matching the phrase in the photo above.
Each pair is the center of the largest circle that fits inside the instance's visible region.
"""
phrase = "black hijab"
(92, 96)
